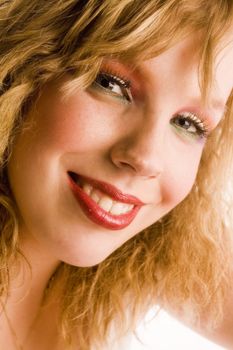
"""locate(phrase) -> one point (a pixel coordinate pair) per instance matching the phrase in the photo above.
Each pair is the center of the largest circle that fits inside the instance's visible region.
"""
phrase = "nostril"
(138, 161)
(124, 164)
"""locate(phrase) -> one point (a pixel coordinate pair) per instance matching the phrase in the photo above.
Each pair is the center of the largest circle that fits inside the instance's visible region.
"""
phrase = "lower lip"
(99, 216)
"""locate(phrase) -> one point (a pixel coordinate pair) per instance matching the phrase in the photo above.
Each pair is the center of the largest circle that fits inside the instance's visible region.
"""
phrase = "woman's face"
(140, 131)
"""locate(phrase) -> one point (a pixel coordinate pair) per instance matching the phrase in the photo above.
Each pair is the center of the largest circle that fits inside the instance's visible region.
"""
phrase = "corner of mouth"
(75, 177)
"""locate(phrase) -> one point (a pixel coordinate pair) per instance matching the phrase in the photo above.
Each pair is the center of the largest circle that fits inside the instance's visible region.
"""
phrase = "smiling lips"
(103, 203)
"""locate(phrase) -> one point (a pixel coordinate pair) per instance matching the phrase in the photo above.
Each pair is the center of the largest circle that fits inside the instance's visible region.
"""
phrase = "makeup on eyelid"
(207, 115)
(114, 84)
(201, 130)
(205, 119)
(134, 78)
(105, 80)
(125, 72)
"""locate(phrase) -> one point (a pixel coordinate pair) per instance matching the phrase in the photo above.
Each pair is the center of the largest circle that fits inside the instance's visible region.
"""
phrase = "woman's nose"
(140, 152)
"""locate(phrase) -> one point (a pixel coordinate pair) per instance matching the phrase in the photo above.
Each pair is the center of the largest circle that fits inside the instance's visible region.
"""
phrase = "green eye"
(113, 85)
(190, 123)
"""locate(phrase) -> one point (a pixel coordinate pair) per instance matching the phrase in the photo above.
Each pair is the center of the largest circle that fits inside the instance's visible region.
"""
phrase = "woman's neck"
(23, 313)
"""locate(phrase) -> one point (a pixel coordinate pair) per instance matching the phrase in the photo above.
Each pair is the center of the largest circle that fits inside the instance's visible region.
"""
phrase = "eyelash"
(124, 84)
(200, 125)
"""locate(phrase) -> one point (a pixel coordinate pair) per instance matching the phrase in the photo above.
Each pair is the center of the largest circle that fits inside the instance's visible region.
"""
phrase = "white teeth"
(130, 207)
(119, 208)
(87, 188)
(116, 209)
(105, 203)
(95, 196)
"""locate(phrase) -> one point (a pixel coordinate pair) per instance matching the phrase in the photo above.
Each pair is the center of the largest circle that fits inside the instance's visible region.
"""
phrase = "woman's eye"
(113, 85)
(190, 123)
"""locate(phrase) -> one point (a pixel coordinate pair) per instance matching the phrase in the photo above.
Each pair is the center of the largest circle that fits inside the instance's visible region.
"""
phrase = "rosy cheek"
(178, 182)
(61, 126)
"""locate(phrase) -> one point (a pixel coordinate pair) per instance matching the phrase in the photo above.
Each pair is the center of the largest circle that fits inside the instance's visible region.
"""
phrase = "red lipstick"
(94, 212)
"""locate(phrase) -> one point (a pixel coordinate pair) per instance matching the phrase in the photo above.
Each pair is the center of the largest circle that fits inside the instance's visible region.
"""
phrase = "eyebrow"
(218, 104)
(215, 103)
(212, 112)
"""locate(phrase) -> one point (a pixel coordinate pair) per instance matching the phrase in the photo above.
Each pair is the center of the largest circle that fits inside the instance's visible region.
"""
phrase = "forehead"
(184, 57)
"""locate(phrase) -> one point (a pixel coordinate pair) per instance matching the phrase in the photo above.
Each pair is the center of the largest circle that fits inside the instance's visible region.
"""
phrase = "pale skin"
(88, 134)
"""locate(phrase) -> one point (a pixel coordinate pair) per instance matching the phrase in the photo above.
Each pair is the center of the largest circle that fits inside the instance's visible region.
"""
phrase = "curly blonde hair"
(182, 261)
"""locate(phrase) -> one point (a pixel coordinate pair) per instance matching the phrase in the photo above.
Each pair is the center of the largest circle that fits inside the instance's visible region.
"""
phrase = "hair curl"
(181, 262)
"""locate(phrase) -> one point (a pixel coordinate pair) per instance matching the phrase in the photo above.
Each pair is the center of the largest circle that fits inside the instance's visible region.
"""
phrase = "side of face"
(142, 131)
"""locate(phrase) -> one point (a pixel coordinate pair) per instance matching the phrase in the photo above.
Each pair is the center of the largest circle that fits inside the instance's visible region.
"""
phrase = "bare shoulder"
(222, 335)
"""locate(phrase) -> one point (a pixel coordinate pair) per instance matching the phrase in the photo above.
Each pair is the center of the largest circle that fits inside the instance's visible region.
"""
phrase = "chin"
(86, 260)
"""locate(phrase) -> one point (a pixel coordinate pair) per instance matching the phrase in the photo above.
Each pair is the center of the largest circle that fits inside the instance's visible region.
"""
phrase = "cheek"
(181, 176)
(80, 123)
(61, 127)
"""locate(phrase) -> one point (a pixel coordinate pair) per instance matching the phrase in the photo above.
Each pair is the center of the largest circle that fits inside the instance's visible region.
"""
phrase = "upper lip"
(110, 190)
